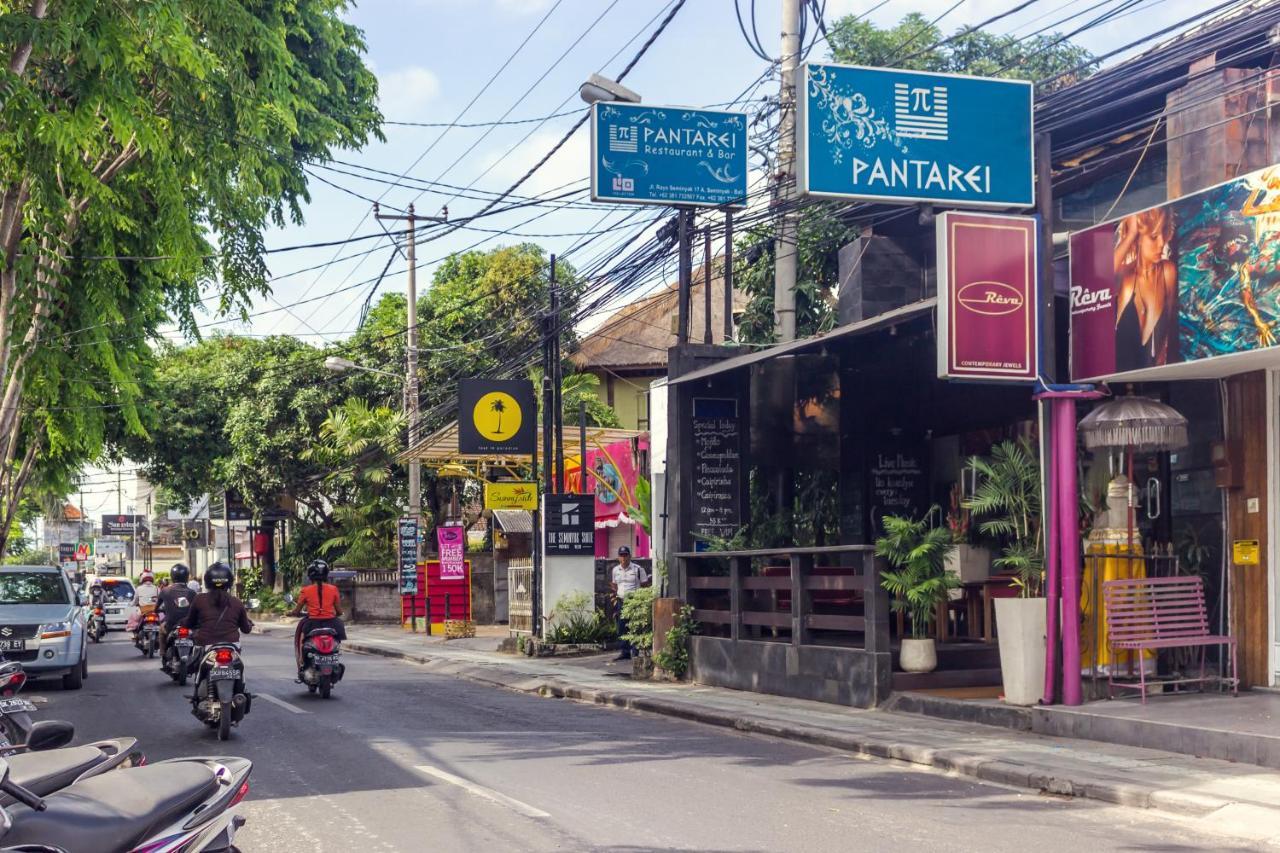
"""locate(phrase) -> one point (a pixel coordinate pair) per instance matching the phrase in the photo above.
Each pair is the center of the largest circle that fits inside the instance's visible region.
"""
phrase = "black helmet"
(179, 573)
(218, 576)
(317, 570)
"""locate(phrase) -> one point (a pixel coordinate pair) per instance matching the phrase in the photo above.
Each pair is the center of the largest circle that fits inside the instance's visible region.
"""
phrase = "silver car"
(42, 623)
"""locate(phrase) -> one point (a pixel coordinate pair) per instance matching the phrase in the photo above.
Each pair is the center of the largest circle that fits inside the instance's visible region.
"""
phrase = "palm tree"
(498, 407)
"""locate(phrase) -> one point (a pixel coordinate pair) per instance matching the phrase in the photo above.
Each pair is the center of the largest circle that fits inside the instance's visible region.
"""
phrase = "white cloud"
(571, 162)
(404, 94)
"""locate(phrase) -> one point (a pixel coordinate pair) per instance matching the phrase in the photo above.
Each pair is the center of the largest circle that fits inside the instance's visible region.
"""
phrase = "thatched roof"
(638, 336)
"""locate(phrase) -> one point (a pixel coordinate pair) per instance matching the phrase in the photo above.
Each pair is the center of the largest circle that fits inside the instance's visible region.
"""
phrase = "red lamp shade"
(261, 544)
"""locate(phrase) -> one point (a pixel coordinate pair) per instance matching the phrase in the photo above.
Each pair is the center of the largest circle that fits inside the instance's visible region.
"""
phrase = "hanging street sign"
(122, 525)
(668, 155)
(407, 536)
(511, 495)
(988, 305)
(496, 416)
(571, 525)
(884, 134)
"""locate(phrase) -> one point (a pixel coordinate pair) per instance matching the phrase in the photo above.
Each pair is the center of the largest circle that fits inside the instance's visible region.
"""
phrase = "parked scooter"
(18, 733)
(56, 766)
(147, 637)
(220, 700)
(179, 650)
(322, 665)
(181, 804)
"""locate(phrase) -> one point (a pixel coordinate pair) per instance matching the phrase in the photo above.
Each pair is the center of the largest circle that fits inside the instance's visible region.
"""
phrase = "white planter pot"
(1021, 625)
(918, 656)
(970, 563)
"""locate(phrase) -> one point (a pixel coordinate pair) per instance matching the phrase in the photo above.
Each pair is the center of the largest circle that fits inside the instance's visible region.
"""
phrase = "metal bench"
(1161, 613)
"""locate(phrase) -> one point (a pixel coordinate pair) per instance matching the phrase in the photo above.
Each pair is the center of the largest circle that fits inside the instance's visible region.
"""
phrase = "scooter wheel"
(182, 677)
(311, 688)
(224, 722)
(325, 686)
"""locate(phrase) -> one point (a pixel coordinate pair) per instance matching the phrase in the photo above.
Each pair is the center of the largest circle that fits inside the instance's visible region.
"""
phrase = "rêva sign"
(988, 317)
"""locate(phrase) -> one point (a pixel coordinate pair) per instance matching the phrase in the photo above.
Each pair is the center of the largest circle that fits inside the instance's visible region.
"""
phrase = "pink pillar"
(1064, 421)
(1053, 582)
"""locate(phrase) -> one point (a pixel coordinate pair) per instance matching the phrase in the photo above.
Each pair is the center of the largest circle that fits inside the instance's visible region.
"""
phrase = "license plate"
(221, 673)
(13, 645)
(13, 706)
(319, 659)
(114, 611)
(184, 644)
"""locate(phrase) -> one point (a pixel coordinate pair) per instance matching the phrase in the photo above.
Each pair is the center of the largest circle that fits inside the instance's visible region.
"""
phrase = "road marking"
(283, 704)
(481, 791)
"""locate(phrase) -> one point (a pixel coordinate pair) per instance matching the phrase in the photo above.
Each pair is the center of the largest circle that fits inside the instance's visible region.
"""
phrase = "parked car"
(119, 602)
(42, 623)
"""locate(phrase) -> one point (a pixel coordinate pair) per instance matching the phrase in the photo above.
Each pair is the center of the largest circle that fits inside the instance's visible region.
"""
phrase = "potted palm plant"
(918, 581)
(1007, 503)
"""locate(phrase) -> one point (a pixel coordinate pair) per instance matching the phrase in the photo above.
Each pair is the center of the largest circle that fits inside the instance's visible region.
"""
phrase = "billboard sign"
(511, 495)
(884, 134)
(668, 155)
(1189, 286)
(496, 416)
(407, 537)
(66, 552)
(451, 544)
(108, 546)
(988, 306)
(571, 525)
(122, 525)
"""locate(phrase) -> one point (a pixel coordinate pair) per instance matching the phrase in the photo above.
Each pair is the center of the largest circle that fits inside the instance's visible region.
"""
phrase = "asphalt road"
(400, 760)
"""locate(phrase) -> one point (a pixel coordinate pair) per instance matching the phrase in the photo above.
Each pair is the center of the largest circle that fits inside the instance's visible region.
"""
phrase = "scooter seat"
(321, 632)
(42, 773)
(116, 811)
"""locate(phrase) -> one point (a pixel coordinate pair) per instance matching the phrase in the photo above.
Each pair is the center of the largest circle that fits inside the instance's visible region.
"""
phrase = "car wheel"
(74, 679)
(84, 665)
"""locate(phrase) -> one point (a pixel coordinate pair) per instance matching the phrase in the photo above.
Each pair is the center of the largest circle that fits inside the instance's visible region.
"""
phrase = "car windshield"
(32, 588)
(120, 590)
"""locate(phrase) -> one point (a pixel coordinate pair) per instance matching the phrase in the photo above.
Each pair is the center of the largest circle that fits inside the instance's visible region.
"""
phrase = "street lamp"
(341, 365)
(598, 89)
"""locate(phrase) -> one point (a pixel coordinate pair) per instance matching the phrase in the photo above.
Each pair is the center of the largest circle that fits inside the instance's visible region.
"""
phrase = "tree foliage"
(144, 147)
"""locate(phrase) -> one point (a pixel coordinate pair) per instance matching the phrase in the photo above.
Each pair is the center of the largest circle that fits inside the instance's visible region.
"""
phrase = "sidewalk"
(1234, 799)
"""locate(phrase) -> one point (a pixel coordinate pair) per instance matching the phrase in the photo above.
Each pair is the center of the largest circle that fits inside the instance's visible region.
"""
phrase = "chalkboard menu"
(898, 482)
(717, 467)
(407, 536)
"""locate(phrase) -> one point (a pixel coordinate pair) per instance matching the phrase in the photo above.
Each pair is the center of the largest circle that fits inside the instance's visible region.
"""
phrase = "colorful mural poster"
(1193, 279)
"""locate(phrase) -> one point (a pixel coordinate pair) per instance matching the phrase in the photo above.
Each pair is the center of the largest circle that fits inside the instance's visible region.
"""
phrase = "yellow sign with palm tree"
(497, 416)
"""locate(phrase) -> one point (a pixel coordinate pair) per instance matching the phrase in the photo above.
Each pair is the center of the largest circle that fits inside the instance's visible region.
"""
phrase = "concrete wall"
(825, 674)
(371, 602)
(483, 609)
(628, 395)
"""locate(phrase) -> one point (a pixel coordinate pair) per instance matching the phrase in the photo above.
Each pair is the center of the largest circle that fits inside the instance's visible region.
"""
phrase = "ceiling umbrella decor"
(1135, 423)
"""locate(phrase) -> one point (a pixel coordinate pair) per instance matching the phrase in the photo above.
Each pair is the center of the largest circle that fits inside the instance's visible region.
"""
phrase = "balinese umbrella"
(1135, 423)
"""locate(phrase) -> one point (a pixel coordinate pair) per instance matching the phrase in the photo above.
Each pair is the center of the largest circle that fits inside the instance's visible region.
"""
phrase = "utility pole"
(706, 284)
(557, 380)
(785, 248)
(411, 354)
(119, 493)
(728, 274)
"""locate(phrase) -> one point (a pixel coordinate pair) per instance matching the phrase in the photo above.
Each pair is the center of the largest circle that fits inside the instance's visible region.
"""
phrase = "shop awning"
(862, 327)
(513, 520)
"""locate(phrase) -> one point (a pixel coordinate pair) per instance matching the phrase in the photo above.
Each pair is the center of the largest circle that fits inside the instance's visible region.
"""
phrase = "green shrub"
(575, 620)
(637, 612)
(674, 657)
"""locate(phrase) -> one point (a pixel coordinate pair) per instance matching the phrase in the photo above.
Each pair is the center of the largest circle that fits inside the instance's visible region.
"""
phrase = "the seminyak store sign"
(668, 155)
(1194, 279)
(884, 134)
(988, 310)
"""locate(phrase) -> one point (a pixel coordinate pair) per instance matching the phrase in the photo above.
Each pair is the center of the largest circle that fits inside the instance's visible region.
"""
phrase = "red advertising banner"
(988, 306)
(1193, 280)
(452, 544)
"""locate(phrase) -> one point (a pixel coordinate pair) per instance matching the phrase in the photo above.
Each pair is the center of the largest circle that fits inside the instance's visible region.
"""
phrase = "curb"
(958, 761)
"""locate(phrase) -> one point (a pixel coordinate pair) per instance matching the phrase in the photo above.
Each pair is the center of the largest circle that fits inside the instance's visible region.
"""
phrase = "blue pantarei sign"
(908, 136)
(668, 155)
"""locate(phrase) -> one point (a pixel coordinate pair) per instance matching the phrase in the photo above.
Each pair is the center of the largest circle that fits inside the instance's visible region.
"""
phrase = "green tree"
(146, 145)
(357, 445)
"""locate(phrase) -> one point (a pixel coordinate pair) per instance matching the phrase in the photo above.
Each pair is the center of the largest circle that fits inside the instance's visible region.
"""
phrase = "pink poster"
(452, 556)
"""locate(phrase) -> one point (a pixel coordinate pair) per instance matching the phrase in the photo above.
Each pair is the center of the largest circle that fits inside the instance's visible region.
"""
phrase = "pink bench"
(1160, 613)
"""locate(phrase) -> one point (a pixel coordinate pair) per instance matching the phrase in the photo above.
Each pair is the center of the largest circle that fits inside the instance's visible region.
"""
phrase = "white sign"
(108, 546)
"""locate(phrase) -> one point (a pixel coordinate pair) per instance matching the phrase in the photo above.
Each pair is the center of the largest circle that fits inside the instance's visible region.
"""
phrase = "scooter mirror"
(288, 599)
(50, 734)
(254, 604)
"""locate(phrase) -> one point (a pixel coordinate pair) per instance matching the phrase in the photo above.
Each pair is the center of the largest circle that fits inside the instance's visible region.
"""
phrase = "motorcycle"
(322, 665)
(179, 649)
(17, 731)
(220, 700)
(97, 627)
(181, 804)
(53, 768)
(147, 637)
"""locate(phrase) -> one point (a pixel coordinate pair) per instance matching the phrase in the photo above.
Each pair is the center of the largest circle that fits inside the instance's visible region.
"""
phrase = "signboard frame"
(507, 494)
(804, 158)
(950, 299)
(471, 392)
(597, 193)
(585, 545)
(122, 525)
(407, 541)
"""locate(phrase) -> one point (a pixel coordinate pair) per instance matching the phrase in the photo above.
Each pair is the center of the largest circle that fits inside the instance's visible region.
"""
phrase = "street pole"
(582, 447)
(557, 380)
(226, 521)
(683, 227)
(706, 284)
(728, 275)
(785, 248)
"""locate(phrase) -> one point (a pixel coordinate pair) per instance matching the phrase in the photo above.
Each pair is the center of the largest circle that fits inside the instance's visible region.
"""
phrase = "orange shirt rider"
(320, 600)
